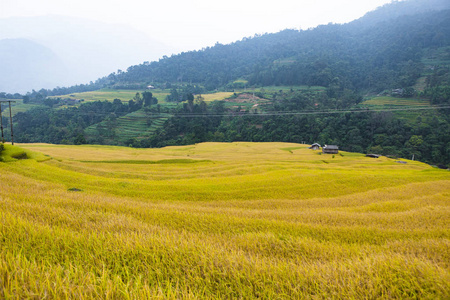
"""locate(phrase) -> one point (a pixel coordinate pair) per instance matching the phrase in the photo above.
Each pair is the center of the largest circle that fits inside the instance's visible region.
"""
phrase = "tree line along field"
(220, 220)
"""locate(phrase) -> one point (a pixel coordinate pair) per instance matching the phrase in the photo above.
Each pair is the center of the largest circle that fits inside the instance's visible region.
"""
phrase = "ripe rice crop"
(216, 96)
(111, 94)
(220, 220)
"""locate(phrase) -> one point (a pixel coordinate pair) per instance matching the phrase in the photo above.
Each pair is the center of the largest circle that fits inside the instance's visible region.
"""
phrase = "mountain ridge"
(348, 51)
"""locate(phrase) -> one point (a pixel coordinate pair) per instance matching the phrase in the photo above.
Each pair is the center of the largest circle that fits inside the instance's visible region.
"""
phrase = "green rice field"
(138, 124)
(408, 109)
(395, 102)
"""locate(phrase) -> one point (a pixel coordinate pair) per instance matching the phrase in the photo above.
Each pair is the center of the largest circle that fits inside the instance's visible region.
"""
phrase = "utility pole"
(10, 121)
(1, 123)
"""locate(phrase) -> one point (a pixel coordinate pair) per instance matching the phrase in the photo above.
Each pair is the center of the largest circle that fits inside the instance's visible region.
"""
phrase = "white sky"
(194, 24)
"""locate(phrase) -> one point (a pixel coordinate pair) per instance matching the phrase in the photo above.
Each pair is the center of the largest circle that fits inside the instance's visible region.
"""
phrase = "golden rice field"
(216, 96)
(111, 94)
(125, 95)
(220, 221)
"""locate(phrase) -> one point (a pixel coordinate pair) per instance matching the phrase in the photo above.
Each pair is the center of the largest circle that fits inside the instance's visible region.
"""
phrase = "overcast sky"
(194, 24)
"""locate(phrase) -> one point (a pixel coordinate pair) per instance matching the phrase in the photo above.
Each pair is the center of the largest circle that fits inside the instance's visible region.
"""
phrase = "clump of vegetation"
(22, 155)
(13, 153)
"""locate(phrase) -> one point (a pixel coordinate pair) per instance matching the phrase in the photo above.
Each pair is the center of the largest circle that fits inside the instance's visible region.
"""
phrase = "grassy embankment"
(248, 220)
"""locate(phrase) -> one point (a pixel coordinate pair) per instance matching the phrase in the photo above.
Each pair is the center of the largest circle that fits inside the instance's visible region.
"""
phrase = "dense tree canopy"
(385, 55)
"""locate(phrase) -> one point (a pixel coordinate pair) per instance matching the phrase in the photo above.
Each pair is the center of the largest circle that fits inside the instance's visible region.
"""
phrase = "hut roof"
(331, 147)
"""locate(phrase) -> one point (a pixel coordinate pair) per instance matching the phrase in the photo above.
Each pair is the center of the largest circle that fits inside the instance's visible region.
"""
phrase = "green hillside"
(377, 84)
(17, 106)
(374, 54)
(393, 102)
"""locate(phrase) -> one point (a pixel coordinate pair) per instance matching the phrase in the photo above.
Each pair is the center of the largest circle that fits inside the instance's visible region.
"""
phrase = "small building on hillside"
(330, 149)
(315, 146)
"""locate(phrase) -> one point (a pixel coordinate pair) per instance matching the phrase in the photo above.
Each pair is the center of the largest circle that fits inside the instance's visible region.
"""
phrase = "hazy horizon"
(93, 39)
(195, 24)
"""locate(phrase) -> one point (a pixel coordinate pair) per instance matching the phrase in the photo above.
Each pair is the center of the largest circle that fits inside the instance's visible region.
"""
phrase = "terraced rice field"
(138, 124)
(220, 221)
(277, 88)
(395, 102)
(404, 108)
(111, 94)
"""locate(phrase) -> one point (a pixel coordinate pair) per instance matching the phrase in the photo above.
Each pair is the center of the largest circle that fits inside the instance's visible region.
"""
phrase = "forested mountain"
(381, 50)
(322, 77)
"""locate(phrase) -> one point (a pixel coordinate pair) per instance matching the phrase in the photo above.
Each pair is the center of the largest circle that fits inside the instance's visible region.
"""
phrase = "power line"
(10, 118)
(267, 114)
(294, 113)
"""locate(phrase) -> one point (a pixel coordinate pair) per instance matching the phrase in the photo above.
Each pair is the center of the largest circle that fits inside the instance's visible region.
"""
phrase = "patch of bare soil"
(246, 98)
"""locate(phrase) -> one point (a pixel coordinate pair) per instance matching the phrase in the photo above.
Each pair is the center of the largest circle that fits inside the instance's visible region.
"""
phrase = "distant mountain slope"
(26, 65)
(374, 52)
(89, 49)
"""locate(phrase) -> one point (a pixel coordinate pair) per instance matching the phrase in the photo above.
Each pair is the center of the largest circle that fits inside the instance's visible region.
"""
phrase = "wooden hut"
(315, 146)
(330, 149)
